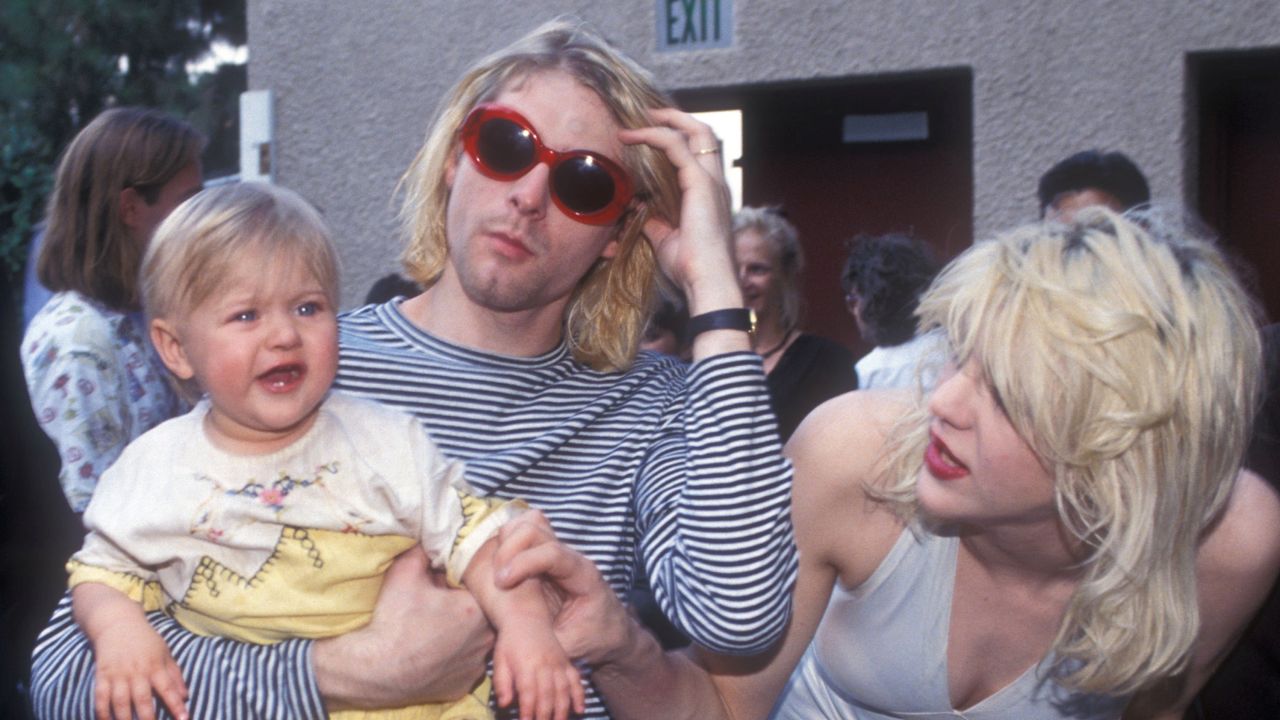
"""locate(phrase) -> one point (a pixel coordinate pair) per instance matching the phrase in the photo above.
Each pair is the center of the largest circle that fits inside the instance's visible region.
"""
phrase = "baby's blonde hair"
(1127, 355)
(195, 249)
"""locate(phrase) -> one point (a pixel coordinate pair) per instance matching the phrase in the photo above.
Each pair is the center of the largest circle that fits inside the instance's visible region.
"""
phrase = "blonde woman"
(802, 370)
(1061, 530)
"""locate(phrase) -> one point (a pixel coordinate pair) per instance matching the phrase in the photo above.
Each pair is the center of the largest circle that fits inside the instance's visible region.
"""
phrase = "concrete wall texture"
(356, 83)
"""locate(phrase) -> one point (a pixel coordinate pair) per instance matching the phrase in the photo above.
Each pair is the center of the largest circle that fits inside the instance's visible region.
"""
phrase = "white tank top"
(880, 652)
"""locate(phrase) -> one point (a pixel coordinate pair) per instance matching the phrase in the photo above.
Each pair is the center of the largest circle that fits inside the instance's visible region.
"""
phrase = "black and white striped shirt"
(678, 467)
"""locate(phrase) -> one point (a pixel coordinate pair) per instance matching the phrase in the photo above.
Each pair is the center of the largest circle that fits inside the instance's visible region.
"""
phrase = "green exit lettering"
(690, 22)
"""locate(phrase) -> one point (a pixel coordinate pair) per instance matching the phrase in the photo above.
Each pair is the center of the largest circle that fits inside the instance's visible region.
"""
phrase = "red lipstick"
(941, 463)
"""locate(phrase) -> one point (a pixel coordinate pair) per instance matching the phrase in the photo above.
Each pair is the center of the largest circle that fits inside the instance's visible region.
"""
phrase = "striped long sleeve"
(227, 679)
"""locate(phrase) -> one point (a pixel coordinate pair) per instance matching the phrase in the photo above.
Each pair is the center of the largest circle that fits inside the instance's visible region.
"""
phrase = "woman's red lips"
(941, 463)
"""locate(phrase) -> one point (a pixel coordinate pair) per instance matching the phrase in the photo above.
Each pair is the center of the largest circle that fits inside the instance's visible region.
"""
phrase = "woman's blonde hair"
(1127, 355)
(607, 311)
(201, 243)
(783, 237)
(87, 247)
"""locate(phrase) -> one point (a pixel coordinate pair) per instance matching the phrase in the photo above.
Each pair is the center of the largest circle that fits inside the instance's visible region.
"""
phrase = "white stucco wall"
(356, 82)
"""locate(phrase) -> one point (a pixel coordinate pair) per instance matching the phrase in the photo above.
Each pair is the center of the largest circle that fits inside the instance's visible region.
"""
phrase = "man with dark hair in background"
(1091, 178)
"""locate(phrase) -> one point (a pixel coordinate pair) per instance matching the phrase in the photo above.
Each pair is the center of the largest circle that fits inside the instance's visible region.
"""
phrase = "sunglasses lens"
(583, 185)
(505, 147)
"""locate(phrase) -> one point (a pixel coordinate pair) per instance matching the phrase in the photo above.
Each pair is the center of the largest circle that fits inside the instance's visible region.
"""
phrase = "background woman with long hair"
(94, 382)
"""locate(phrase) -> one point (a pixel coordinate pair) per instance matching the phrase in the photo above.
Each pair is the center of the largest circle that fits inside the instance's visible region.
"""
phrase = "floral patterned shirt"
(95, 384)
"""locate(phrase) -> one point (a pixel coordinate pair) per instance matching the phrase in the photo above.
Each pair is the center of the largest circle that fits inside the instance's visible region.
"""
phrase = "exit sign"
(694, 24)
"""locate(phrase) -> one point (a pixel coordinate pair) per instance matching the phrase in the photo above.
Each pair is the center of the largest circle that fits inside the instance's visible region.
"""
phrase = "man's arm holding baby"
(427, 642)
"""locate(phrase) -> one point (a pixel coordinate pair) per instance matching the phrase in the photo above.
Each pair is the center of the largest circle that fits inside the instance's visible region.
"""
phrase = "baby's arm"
(132, 660)
(458, 528)
(528, 661)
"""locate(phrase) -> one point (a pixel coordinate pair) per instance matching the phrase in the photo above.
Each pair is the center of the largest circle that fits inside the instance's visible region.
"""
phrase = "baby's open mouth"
(282, 376)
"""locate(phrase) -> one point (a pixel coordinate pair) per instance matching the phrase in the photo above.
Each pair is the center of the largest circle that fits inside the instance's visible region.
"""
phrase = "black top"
(810, 372)
(1247, 685)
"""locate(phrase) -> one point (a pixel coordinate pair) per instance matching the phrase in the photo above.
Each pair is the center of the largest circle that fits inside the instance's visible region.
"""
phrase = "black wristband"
(727, 319)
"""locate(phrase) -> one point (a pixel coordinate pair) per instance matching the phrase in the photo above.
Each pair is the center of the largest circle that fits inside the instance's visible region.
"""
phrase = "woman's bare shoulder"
(861, 414)
(838, 452)
(1245, 541)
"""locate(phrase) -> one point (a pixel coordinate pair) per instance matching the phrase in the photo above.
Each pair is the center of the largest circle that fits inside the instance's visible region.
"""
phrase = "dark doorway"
(1239, 158)
(795, 155)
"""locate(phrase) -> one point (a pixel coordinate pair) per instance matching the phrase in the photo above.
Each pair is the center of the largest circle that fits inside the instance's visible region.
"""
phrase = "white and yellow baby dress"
(262, 548)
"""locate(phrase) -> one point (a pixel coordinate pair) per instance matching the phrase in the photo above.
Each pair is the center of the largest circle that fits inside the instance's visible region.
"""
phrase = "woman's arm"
(1237, 565)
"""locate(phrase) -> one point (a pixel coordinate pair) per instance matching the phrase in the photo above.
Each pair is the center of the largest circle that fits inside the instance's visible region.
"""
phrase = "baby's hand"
(529, 664)
(132, 663)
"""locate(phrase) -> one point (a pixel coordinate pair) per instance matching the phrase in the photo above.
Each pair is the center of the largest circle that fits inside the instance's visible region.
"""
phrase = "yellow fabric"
(317, 583)
(479, 515)
(149, 594)
(472, 706)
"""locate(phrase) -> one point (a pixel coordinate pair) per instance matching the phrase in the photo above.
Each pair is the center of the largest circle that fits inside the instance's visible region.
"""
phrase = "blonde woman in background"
(803, 370)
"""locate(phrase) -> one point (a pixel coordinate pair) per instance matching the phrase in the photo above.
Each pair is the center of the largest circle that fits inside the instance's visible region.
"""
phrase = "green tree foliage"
(64, 61)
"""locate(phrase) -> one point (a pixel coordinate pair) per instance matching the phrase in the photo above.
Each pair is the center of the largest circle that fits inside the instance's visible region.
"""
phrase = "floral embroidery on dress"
(217, 519)
(274, 495)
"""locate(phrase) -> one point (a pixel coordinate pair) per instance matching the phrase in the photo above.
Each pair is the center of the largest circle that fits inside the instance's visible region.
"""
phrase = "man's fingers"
(553, 560)
(670, 141)
(691, 126)
(525, 531)
(685, 139)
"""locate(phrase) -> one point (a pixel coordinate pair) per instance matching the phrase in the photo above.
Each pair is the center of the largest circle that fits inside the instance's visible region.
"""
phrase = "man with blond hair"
(554, 186)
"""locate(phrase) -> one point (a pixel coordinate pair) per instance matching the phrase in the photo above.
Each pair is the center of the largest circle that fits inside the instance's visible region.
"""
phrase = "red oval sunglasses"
(585, 185)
